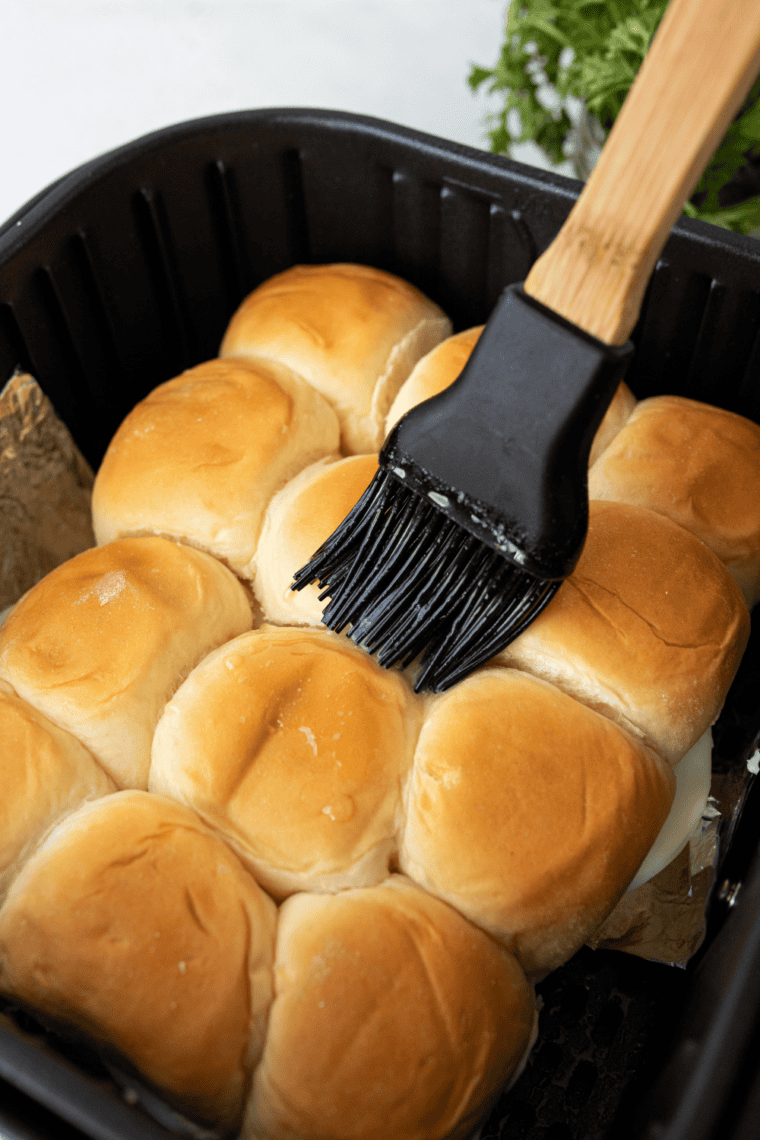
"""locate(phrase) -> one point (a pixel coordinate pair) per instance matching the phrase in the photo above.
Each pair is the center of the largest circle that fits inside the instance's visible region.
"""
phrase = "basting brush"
(479, 509)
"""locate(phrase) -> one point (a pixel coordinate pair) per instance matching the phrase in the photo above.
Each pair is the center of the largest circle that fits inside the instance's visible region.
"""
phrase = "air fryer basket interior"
(126, 271)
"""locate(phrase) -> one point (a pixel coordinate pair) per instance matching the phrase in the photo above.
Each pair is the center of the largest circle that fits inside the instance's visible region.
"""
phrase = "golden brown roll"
(393, 1016)
(441, 366)
(299, 519)
(101, 643)
(46, 774)
(433, 373)
(201, 456)
(649, 629)
(136, 925)
(616, 416)
(699, 466)
(295, 746)
(352, 331)
(529, 812)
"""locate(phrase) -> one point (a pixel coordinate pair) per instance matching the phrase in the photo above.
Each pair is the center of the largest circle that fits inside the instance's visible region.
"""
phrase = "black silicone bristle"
(406, 582)
(479, 509)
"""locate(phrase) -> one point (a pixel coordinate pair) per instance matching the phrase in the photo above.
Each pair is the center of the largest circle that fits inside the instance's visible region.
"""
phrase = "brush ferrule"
(472, 515)
(504, 450)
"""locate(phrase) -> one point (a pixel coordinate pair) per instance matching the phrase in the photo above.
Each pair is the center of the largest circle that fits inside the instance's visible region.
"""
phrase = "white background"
(79, 77)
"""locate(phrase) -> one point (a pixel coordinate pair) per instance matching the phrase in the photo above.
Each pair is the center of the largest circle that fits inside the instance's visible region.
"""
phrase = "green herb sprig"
(564, 57)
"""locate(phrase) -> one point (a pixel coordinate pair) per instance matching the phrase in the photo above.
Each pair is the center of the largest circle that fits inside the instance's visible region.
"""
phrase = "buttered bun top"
(649, 629)
(433, 373)
(393, 1016)
(46, 774)
(529, 812)
(700, 466)
(101, 643)
(135, 924)
(300, 518)
(295, 746)
(443, 364)
(201, 456)
(351, 331)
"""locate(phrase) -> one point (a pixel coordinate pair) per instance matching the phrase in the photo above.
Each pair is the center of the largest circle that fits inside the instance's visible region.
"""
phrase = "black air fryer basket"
(126, 271)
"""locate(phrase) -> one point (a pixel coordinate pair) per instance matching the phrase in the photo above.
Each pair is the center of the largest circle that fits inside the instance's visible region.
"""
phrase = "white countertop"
(80, 77)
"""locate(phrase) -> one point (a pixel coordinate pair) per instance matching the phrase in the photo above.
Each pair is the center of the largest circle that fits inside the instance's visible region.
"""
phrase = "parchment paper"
(45, 490)
(665, 919)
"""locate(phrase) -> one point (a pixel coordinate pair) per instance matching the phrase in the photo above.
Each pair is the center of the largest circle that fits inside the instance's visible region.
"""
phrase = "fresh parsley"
(564, 70)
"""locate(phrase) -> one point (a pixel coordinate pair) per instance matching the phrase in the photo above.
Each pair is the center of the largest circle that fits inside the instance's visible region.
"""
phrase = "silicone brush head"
(479, 509)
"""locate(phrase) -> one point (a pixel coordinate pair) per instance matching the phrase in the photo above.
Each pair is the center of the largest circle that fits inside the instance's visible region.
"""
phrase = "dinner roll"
(441, 366)
(201, 456)
(136, 925)
(300, 518)
(434, 372)
(393, 1016)
(617, 414)
(46, 775)
(295, 746)
(649, 629)
(101, 642)
(352, 331)
(529, 812)
(697, 465)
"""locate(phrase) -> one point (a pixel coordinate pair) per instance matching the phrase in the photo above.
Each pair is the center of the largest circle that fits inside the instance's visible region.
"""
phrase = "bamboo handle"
(702, 62)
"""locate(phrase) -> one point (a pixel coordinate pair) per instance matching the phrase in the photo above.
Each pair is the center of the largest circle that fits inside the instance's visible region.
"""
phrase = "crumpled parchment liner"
(45, 490)
(665, 920)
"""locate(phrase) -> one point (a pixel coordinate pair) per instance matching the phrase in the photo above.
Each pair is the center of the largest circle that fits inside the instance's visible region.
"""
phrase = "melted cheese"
(692, 789)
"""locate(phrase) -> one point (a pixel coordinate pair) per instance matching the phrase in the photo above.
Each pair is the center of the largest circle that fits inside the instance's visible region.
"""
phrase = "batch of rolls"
(301, 901)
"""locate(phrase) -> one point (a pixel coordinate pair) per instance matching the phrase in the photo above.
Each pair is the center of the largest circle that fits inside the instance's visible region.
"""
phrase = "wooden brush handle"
(700, 66)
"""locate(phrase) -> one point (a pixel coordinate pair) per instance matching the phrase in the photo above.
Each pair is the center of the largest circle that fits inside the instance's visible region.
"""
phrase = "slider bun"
(352, 331)
(617, 414)
(300, 518)
(393, 1016)
(46, 775)
(529, 812)
(294, 745)
(649, 629)
(697, 465)
(136, 925)
(441, 366)
(101, 643)
(437, 370)
(200, 457)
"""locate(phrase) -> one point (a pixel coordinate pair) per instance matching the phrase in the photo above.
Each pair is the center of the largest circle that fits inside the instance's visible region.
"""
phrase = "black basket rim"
(25, 222)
